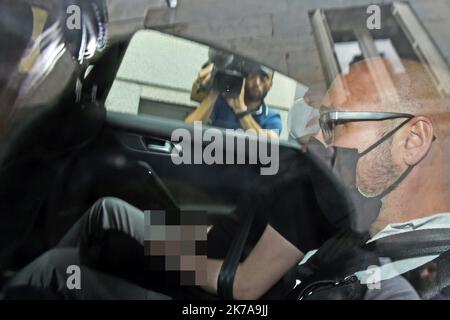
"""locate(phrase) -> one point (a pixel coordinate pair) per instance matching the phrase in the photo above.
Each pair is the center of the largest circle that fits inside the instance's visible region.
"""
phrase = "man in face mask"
(387, 136)
(400, 132)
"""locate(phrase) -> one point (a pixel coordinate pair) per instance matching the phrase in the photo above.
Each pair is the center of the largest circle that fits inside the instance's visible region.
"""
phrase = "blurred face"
(257, 85)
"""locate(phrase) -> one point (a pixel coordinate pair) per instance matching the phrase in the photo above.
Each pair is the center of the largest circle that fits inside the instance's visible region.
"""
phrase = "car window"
(362, 86)
(158, 75)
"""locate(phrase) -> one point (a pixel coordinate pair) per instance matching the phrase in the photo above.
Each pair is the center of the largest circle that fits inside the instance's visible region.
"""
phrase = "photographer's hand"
(247, 121)
(204, 74)
(238, 104)
(202, 84)
(203, 111)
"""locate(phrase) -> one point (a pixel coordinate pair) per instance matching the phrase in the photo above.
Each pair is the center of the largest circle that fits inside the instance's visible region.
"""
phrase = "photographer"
(246, 109)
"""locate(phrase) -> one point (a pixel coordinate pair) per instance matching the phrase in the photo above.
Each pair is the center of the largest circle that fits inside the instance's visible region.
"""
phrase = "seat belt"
(412, 244)
(420, 243)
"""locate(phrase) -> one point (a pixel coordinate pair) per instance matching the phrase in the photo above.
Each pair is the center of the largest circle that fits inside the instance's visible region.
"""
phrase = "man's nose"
(425, 273)
(258, 80)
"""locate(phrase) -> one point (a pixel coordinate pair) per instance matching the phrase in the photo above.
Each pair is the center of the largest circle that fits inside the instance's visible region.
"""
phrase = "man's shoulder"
(268, 112)
(272, 120)
(272, 113)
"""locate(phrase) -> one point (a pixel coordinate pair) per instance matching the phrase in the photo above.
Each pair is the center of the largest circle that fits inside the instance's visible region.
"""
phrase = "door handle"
(160, 145)
(164, 147)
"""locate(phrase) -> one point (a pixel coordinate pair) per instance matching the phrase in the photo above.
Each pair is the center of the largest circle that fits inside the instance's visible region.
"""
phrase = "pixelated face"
(180, 239)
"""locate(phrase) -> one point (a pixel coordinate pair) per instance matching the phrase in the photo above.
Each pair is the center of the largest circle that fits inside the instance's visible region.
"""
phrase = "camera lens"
(228, 83)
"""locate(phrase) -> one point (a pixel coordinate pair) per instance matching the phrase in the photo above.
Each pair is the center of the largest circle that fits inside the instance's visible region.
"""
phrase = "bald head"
(373, 83)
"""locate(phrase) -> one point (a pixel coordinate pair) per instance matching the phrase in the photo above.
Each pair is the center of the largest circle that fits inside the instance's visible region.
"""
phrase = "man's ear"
(418, 140)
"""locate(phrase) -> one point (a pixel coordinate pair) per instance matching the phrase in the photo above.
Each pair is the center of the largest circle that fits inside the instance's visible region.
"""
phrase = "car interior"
(108, 133)
(108, 154)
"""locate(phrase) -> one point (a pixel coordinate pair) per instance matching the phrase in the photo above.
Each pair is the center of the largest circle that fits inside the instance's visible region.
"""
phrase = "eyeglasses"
(330, 118)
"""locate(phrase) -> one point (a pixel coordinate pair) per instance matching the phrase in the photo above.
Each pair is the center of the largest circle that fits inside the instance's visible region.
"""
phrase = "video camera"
(227, 76)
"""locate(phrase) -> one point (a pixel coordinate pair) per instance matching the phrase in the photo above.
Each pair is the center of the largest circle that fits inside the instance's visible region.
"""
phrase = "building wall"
(279, 32)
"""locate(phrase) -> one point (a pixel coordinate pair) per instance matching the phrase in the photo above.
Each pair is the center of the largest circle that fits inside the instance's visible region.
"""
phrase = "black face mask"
(366, 210)
(342, 162)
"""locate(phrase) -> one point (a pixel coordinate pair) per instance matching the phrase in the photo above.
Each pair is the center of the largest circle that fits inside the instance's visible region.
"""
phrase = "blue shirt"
(223, 116)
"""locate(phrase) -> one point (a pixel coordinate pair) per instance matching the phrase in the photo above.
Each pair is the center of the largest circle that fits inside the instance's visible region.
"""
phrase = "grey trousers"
(106, 245)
